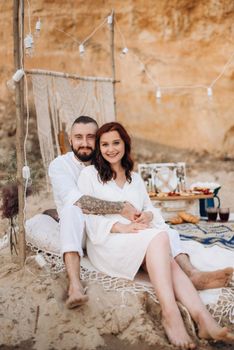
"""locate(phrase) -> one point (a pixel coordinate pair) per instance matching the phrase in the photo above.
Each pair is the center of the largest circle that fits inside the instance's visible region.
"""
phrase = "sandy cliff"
(180, 42)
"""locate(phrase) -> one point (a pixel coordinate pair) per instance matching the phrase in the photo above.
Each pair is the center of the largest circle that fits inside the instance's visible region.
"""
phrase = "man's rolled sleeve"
(65, 187)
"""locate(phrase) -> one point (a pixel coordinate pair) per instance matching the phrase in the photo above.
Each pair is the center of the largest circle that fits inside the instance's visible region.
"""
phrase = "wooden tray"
(177, 198)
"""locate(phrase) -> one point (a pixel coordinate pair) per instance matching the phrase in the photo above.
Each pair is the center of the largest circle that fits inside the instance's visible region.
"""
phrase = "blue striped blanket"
(208, 233)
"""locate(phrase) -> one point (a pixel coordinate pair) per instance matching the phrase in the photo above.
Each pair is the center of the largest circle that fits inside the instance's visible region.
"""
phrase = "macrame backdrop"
(60, 99)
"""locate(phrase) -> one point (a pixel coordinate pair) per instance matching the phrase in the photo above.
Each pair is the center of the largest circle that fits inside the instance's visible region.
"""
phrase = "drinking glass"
(212, 213)
(224, 214)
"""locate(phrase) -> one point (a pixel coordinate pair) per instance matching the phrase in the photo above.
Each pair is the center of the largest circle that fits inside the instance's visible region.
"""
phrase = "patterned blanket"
(208, 233)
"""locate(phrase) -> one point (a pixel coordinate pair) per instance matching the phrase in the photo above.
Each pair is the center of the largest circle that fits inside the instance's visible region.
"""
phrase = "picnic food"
(176, 220)
(188, 217)
(203, 190)
(184, 217)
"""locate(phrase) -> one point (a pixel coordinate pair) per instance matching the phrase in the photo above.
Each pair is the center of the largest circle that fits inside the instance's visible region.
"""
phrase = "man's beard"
(82, 156)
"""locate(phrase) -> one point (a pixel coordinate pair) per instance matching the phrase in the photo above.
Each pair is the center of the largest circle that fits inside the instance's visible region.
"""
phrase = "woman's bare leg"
(158, 262)
(186, 293)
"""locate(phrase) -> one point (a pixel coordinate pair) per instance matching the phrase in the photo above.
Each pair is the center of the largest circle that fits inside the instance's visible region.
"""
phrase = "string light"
(110, 19)
(94, 31)
(143, 67)
(182, 87)
(209, 92)
(17, 76)
(28, 42)
(28, 45)
(38, 28)
(125, 50)
(158, 95)
(81, 49)
(82, 44)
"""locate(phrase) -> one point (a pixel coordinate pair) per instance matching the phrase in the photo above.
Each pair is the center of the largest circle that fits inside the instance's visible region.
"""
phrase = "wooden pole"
(65, 75)
(18, 20)
(112, 45)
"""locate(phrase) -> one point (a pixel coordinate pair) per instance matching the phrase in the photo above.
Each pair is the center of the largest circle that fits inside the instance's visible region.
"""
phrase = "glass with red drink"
(224, 214)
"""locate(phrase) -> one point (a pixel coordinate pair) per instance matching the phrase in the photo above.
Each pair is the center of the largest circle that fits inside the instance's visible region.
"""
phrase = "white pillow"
(43, 232)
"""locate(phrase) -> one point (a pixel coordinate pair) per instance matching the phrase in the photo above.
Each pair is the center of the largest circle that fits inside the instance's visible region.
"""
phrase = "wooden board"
(176, 198)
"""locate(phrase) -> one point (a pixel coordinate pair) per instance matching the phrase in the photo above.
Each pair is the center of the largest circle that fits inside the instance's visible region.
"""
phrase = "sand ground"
(32, 310)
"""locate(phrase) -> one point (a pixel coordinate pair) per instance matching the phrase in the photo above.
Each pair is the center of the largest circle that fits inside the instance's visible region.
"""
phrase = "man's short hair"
(84, 120)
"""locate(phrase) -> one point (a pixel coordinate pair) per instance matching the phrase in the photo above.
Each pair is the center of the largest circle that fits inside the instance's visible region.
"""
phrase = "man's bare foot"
(76, 297)
(210, 329)
(176, 332)
(211, 279)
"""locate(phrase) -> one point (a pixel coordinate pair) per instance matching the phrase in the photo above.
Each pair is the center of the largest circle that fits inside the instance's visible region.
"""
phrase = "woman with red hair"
(118, 247)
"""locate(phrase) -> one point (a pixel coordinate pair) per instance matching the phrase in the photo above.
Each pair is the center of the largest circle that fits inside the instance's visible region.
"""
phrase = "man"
(71, 204)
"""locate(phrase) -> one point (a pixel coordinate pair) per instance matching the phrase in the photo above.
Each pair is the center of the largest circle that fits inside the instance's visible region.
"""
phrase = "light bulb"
(209, 92)
(81, 49)
(109, 19)
(158, 94)
(28, 45)
(38, 28)
(17, 76)
(124, 52)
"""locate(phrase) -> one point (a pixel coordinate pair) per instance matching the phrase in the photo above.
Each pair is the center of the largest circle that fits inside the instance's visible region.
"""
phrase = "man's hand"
(145, 217)
(129, 211)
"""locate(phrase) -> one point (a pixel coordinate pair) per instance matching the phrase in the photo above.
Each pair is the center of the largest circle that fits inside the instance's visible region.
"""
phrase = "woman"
(118, 247)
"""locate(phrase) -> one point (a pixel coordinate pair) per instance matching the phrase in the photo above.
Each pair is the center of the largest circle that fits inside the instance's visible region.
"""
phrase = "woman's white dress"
(120, 254)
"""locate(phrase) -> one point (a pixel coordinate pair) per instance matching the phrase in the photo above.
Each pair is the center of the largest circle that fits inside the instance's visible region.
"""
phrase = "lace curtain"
(60, 99)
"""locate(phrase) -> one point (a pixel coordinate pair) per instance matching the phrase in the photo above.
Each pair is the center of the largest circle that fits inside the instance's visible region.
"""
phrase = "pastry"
(176, 220)
(188, 217)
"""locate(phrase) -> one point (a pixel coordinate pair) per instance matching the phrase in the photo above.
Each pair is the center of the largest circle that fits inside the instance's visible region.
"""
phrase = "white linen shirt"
(64, 172)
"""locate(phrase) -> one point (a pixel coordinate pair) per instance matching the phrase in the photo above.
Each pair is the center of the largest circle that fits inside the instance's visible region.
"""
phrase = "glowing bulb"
(28, 44)
(158, 94)
(209, 92)
(81, 49)
(125, 51)
(15, 78)
(18, 75)
(109, 19)
(38, 28)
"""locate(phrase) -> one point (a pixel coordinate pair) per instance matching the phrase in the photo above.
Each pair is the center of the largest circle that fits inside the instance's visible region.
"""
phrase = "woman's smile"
(112, 147)
(112, 155)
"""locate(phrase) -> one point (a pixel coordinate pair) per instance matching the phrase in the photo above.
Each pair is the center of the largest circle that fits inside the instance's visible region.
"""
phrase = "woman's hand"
(133, 227)
(144, 218)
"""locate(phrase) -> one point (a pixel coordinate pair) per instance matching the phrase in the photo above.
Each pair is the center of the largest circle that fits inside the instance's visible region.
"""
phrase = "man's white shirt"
(64, 172)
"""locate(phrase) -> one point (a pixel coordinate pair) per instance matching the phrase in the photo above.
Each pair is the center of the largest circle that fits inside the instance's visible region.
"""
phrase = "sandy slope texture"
(33, 315)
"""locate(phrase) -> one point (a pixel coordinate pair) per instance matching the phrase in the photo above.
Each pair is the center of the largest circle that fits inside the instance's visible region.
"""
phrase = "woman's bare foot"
(174, 327)
(210, 329)
(211, 279)
(76, 297)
